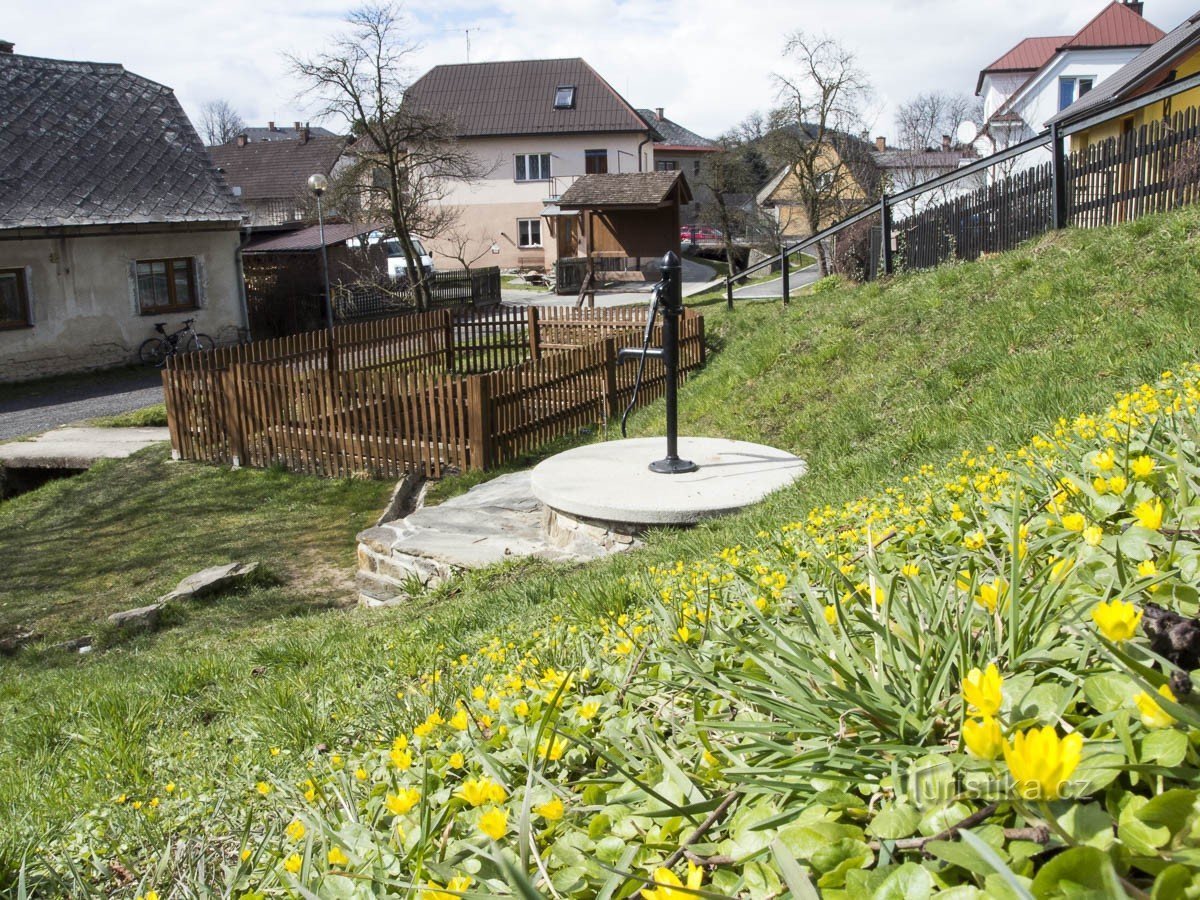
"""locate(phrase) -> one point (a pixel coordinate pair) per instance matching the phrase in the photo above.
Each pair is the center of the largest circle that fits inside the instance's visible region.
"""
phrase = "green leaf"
(793, 873)
(1172, 883)
(1084, 867)
(1109, 691)
(1088, 823)
(1096, 771)
(1138, 837)
(931, 781)
(1165, 746)
(908, 882)
(938, 820)
(1004, 882)
(956, 854)
(1170, 809)
(898, 820)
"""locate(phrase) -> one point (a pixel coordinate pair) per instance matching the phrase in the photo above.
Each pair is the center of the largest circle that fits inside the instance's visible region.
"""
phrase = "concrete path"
(37, 406)
(773, 289)
(78, 448)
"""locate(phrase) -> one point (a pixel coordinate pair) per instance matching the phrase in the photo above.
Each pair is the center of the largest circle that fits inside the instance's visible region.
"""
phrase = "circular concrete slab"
(610, 482)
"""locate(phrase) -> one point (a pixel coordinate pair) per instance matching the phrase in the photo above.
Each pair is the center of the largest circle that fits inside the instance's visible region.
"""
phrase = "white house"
(1040, 76)
(112, 217)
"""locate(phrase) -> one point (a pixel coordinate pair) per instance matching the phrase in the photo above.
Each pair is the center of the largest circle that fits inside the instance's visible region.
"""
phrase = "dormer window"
(564, 96)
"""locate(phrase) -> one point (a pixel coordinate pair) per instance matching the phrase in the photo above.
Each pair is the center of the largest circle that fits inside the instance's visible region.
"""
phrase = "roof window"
(564, 96)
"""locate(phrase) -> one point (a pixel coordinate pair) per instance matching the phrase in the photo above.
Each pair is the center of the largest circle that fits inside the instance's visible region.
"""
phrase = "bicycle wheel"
(154, 352)
(200, 342)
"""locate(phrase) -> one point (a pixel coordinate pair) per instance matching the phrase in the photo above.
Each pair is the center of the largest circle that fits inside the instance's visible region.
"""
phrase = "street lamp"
(319, 184)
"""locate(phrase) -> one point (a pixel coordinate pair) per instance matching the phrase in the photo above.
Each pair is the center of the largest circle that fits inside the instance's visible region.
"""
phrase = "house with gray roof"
(112, 218)
(536, 126)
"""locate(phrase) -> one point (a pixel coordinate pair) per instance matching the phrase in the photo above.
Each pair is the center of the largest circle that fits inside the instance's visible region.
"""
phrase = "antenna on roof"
(467, 32)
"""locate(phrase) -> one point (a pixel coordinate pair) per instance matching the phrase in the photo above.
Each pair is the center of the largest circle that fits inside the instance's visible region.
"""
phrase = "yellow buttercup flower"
(402, 759)
(984, 691)
(1153, 715)
(263, 788)
(1104, 460)
(588, 711)
(459, 720)
(293, 863)
(666, 881)
(401, 802)
(990, 594)
(1093, 535)
(1149, 514)
(337, 858)
(1040, 762)
(552, 748)
(974, 541)
(494, 823)
(456, 761)
(1100, 484)
(1147, 568)
(910, 570)
(521, 708)
(1074, 522)
(296, 830)
(983, 737)
(478, 791)
(1116, 619)
(1117, 484)
(1142, 467)
(830, 613)
(551, 810)
(458, 884)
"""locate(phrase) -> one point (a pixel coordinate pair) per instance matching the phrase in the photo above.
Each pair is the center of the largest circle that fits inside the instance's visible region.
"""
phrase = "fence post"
(448, 337)
(479, 420)
(1058, 178)
(533, 318)
(610, 378)
(231, 404)
(786, 271)
(729, 291)
(885, 236)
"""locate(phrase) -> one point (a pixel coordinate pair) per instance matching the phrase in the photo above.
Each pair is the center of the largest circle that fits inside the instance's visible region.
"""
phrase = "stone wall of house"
(83, 298)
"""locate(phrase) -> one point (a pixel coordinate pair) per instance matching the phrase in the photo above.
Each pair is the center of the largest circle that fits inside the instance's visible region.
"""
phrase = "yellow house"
(1172, 58)
(847, 179)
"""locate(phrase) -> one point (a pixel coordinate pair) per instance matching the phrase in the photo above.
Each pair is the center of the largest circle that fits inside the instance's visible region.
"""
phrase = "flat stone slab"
(610, 482)
(212, 580)
(78, 448)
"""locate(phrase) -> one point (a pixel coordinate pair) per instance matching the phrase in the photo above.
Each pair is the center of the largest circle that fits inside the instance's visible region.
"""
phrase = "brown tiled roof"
(85, 144)
(1028, 56)
(308, 238)
(625, 189)
(276, 170)
(511, 98)
(672, 135)
(1115, 26)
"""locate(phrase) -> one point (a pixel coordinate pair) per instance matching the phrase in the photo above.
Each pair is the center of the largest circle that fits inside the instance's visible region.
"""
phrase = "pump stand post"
(672, 303)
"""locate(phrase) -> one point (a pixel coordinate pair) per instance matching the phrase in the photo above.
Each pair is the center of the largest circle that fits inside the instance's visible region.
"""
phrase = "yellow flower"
(296, 830)
(1142, 467)
(521, 708)
(458, 721)
(666, 881)
(245, 854)
(337, 857)
(361, 774)
(551, 810)
(910, 570)
(1116, 619)
(274, 751)
(459, 884)
(1041, 762)
(1104, 460)
(1074, 522)
(402, 759)
(1061, 569)
(494, 823)
(984, 691)
(293, 863)
(1100, 485)
(169, 787)
(1147, 568)
(1153, 715)
(552, 748)
(478, 791)
(1149, 514)
(263, 788)
(1093, 535)
(401, 802)
(983, 737)
(683, 634)
(974, 541)
(456, 761)
(588, 711)
(830, 613)
(990, 595)
(1117, 484)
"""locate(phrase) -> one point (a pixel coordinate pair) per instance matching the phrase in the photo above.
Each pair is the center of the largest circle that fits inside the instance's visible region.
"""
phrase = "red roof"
(1116, 26)
(1028, 56)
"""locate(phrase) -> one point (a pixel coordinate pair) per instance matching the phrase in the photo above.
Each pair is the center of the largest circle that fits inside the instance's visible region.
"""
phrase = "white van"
(398, 265)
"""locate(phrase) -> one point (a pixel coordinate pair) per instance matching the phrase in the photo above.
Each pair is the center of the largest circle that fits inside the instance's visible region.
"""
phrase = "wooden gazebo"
(620, 216)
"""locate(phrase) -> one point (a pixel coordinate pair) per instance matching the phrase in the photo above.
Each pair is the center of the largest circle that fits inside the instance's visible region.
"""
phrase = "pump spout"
(627, 354)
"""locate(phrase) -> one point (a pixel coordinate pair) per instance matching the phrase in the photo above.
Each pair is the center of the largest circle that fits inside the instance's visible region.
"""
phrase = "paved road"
(774, 288)
(34, 408)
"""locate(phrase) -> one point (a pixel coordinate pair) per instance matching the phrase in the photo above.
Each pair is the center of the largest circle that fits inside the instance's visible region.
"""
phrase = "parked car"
(696, 234)
(398, 265)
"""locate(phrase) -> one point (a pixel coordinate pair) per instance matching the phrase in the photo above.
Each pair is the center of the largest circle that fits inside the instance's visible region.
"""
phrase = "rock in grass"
(13, 641)
(212, 580)
(143, 616)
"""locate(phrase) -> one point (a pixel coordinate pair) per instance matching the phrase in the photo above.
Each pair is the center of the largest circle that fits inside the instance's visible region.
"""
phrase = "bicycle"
(154, 351)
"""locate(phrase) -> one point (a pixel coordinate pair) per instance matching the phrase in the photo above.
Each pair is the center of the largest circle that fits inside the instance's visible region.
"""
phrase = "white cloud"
(708, 62)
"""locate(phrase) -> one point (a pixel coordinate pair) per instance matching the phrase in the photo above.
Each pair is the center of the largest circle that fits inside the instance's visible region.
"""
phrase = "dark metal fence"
(374, 300)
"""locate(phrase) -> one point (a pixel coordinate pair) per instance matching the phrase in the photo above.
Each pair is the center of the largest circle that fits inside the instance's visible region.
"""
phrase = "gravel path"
(39, 406)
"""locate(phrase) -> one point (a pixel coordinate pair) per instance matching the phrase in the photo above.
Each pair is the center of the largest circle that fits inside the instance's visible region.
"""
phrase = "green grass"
(146, 417)
(865, 382)
(513, 283)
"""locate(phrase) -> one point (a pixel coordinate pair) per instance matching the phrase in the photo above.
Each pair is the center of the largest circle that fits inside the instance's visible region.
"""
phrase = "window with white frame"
(1071, 88)
(823, 181)
(533, 167)
(529, 232)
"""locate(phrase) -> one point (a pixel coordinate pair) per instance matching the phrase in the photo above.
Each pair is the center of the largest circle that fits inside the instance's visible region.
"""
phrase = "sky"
(708, 63)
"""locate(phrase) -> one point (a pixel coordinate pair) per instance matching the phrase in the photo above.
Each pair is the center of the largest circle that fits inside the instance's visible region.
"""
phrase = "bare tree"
(924, 120)
(219, 122)
(405, 160)
(466, 246)
(829, 171)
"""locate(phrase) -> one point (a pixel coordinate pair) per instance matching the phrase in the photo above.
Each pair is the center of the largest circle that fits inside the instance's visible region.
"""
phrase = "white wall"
(83, 298)
(1039, 102)
(996, 89)
(489, 208)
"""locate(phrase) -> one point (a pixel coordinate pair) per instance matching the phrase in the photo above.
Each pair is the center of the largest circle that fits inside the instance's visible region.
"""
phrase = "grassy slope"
(867, 383)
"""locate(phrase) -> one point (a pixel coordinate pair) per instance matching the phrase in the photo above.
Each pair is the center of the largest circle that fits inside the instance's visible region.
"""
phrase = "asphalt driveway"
(38, 406)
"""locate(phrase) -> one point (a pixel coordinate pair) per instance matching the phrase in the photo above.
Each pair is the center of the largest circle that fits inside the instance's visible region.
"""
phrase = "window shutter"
(200, 277)
(520, 167)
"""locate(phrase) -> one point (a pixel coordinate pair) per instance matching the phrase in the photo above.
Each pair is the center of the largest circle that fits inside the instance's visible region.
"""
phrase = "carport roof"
(626, 190)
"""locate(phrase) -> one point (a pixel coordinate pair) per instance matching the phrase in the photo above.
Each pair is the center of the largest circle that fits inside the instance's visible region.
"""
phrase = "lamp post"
(319, 184)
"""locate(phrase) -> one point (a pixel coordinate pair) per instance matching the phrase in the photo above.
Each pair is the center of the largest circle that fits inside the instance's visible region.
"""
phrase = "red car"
(696, 234)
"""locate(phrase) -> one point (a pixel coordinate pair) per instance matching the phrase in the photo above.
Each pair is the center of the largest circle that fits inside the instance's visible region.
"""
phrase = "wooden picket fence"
(444, 390)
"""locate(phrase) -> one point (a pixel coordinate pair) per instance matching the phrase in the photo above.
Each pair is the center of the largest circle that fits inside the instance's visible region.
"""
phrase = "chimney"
(881, 143)
(297, 127)
(304, 133)
(270, 126)
(6, 46)
(658, 113)
(1135, 6)
(241, 140)
(946, 143)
